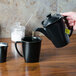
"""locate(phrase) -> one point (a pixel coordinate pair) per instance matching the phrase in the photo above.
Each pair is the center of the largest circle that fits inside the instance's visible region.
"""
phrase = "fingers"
(74, 27)
(71, 22)
(69, 18)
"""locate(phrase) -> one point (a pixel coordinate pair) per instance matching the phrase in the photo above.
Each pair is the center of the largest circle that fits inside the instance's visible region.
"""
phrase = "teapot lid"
(51, 19)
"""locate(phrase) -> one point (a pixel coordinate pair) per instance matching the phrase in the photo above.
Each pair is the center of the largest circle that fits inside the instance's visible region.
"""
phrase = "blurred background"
(12, 11)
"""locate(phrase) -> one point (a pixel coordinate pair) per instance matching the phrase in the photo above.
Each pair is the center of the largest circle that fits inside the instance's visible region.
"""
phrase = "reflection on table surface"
(53, 61)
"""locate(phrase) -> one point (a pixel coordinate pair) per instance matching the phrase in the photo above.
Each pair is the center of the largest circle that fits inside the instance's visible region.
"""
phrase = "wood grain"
(53, 61)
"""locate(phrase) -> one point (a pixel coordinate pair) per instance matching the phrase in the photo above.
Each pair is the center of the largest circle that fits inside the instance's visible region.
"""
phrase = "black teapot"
(57, 29)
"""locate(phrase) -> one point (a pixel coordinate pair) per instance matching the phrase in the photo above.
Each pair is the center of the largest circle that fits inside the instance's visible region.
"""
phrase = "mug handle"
(69, 27)
(17, 48)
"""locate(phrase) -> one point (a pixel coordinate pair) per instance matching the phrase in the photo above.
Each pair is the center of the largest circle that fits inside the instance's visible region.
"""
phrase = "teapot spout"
(42, 30)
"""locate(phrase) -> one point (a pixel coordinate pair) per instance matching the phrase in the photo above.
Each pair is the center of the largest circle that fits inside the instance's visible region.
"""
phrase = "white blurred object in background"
(17, 32)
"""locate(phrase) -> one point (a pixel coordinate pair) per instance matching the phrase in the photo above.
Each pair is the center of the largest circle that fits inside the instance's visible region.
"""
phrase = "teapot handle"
(69, 27)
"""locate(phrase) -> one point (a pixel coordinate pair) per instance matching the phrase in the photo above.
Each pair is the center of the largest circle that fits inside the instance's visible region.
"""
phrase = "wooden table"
(53, 61)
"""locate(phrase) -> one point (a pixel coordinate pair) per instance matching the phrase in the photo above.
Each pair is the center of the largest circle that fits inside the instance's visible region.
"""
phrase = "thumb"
(66, 13)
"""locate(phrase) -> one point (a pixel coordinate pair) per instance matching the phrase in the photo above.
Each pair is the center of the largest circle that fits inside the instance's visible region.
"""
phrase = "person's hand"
(71, 17)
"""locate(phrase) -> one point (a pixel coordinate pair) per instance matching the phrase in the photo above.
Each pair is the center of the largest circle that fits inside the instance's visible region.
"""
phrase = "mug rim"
(5, 44)
(34, 37)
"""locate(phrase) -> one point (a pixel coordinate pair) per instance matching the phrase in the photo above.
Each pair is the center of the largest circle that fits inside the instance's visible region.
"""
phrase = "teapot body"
(56, 33)
(54, 28)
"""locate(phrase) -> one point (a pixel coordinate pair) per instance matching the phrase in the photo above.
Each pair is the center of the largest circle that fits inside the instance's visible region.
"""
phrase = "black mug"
(3, 52)
(31, 48)
(56, 30)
